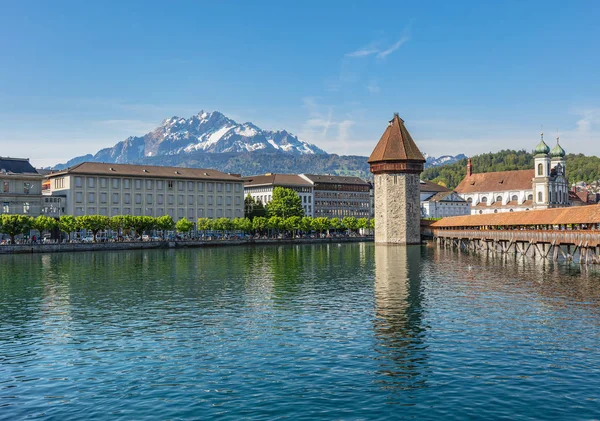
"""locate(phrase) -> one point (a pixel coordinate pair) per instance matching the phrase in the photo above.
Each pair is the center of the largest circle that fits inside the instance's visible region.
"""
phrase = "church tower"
(559, 187)
(397, 163)
(541, 180)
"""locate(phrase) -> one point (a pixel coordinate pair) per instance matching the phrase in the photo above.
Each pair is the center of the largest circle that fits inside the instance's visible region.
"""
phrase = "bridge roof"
(573, 215)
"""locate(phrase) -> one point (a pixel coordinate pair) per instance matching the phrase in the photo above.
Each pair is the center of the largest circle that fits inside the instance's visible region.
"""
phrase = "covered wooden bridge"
(570, 233)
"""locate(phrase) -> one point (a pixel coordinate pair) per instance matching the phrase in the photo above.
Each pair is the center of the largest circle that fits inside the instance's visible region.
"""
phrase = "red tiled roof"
(496, 181)
(570, 215)
(396, 144)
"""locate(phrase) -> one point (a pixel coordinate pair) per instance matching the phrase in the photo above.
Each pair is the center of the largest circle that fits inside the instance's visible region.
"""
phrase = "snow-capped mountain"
(210, 132)
(432, 161)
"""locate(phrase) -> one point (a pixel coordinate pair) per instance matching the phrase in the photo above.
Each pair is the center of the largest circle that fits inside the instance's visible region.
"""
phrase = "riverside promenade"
(139, 245)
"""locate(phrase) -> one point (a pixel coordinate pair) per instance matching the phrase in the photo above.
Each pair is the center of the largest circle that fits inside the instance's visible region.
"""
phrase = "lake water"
(351, 331)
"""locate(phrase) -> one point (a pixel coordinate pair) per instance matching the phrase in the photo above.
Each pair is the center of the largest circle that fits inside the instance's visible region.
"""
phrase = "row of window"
(27, 187)
(138, 184)
(178, 213)
(149, 199)
(342, 203)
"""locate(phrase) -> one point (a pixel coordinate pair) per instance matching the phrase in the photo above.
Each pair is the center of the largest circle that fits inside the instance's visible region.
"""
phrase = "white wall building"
(438, 201)
(118, 189)
(20, 187)
(260, 188)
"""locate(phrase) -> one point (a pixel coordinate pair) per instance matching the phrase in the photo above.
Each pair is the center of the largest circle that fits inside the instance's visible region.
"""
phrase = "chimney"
(469, 168)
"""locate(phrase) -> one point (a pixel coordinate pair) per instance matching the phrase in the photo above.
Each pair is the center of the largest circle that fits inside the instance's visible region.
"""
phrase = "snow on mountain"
(210, 132)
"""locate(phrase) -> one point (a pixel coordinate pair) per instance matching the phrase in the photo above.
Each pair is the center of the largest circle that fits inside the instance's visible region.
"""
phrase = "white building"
(118, 189)
(331, 196)
(438, 201)
(260, 188)
(543, 187)
(20, 187)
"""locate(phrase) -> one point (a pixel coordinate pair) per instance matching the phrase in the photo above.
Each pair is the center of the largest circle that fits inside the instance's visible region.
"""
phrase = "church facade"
(543, 187)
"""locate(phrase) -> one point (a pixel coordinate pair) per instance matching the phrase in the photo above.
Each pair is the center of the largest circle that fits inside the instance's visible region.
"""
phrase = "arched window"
(510, 210)
(495, 210)
(530, 197)
(540, 169)
(514, 198)
(470, 200)
(540, 197)
(499, 199)
(484, 199)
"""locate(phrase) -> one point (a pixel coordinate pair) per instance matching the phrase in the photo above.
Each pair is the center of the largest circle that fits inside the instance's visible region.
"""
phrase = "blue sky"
(466, 77)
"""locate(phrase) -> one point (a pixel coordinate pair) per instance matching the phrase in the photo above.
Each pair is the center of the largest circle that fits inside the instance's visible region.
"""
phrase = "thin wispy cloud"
(363, 52)
(378, 50)
(397, 44)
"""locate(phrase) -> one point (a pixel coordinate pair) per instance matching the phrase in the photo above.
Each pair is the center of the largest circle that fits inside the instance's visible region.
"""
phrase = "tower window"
(540, 169)
(540, 197)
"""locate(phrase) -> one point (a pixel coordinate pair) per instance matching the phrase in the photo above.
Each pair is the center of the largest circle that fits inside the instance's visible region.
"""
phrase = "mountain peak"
(208, 132)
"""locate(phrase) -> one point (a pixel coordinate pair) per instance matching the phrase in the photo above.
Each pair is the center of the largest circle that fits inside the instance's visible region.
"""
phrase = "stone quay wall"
(140, 245)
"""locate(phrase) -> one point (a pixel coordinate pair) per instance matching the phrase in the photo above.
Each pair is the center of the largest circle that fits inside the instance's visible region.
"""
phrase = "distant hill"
(212, 140)
(579, 167)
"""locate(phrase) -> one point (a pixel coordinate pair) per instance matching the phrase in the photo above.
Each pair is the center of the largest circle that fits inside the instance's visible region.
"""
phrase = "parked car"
(87, 239)
(145, 237)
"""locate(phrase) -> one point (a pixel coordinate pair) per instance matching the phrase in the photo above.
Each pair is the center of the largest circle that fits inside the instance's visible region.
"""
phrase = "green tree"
(275, 223)
(141, 224)
(350, 223)
(372, 223)
(93, 223)
(363, 223)
(203, 224)
(117, 223)
(306, 224)
(67, 224)
(259, 224)
(285, 203)
(335, 223)
(184, 226)
(14, 225)
(43, 223)
(253, 208)
(165, 223)
(320, 224)
(292, 224)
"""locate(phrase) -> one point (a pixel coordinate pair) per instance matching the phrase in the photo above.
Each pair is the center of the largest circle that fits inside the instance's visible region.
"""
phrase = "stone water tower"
(396, 163)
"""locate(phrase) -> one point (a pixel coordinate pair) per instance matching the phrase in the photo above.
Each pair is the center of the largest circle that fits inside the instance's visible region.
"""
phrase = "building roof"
(542, 148)
(496, 181)
(570, 215)
(428, 186)
(275, 180)
(98, 168)
(557, 151)
(16, 166)
(396, 144)
(443, 195)
(334, 179)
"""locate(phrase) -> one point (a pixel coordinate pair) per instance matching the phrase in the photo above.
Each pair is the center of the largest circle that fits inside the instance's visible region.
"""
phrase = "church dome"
(542, 148)
(557, 151)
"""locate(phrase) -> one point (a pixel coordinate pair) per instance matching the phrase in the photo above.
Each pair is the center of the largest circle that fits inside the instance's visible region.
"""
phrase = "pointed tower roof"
(396, 144)
(557, 151)
(396, 151)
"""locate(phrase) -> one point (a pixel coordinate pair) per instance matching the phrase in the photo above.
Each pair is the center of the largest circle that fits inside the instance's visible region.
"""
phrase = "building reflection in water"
(398, 326)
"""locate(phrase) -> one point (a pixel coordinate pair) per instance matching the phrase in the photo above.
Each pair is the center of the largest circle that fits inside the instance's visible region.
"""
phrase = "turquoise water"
(307, 332)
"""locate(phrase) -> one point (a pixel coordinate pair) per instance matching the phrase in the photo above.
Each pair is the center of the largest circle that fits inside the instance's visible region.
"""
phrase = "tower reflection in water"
(398, 324)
